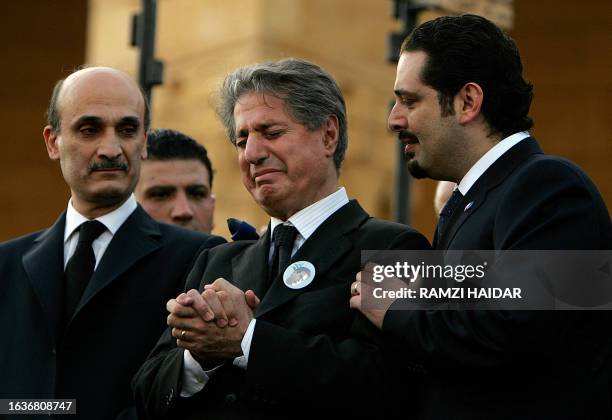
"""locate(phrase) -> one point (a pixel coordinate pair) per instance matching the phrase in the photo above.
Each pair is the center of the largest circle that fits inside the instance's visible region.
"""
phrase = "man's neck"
(94, 210)
(477, 146)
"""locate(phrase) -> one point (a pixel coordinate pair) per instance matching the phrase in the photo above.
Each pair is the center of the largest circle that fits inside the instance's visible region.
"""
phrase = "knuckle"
(209, 293)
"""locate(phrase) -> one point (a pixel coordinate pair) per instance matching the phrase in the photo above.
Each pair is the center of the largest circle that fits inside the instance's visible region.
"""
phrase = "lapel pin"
(299, 275)
(468, 206)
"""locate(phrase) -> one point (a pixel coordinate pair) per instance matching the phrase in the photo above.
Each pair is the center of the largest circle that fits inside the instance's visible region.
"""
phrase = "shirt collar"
(307, 220)
(489, 159)
(112, 220)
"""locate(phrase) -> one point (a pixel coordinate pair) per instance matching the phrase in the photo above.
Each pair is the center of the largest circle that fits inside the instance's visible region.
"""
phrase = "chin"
(416, 170)
(109, 196)
(267, 193)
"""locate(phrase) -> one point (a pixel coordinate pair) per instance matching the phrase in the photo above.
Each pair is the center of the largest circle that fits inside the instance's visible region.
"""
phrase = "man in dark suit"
(70, 333)
(302, 350)
(461, 112)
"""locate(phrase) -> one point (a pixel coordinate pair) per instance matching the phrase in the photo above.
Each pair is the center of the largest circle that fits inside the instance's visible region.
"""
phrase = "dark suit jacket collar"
(44, 266)
(328, 244)
(493, 176)
(44, 262)
(137, 237)
(251, 266)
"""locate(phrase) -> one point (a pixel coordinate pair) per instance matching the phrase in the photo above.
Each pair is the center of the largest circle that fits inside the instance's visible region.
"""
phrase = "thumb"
(251, 299)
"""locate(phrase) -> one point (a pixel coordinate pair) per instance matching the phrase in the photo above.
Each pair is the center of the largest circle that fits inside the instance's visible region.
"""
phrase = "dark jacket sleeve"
(157, 383)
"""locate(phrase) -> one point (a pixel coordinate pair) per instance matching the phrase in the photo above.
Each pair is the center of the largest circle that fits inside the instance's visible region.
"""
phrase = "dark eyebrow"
(402, 92)
(195, 187)
(94, 120)
(88, 119)
(129, 121)
(261, 127)
(265, 126)
(161, 189)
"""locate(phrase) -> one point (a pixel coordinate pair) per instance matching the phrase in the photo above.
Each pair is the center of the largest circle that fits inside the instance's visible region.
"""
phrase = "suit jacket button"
(169, 396)
(230, 398)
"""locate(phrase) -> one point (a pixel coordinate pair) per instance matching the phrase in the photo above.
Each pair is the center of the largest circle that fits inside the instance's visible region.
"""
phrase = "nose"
(110, 146)
(255, 151)
(397, 121)
(181, 209)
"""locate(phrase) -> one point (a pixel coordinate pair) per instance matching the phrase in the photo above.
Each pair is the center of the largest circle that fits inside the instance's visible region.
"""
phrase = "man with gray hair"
(264, 329)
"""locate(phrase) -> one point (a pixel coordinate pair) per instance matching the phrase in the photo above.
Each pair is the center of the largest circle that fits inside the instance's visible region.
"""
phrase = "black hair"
(470, 48)
(166, 144)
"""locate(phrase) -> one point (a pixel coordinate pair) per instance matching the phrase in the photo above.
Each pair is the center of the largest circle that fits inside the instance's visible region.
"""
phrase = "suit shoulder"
(220, 254)
(20, 242)
(554, 166)
(548, 175)
(384, 234)
(176, 235)
(230, 249)
(386, 226)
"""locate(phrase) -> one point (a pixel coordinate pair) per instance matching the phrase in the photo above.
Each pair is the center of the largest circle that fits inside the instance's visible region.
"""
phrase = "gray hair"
(310, 94)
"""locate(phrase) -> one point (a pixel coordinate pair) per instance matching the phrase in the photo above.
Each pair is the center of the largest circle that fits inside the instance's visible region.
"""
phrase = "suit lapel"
(490, 179)
(327, 245)
(137, 237)
(44, 265)
(250, 268)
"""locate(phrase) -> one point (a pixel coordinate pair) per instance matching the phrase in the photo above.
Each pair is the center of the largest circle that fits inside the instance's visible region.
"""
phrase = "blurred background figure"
(175, 183)
(444, 190)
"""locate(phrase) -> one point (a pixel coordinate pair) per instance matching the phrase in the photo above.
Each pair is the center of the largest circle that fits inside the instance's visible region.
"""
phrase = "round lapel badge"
(299, 275)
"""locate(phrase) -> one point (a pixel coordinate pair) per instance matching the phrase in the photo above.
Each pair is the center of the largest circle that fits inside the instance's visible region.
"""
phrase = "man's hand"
(362, 297)
(211, 324)
(216, 305)
(204, 339)
(226, 301)
(359, 289)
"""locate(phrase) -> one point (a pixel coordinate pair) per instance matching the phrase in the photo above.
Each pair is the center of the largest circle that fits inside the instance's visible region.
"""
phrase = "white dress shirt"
(112, 221)
(306, 221)
(489, 159)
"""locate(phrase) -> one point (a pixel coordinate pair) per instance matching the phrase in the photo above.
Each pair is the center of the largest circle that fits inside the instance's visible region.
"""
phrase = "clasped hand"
(211, 324)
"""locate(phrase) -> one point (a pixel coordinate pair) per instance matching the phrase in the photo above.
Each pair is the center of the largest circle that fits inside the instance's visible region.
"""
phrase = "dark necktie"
(283, 237)
(447, 213)
(81, 265)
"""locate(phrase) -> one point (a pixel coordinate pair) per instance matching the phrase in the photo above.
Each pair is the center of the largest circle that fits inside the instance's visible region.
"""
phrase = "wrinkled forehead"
(260, 107)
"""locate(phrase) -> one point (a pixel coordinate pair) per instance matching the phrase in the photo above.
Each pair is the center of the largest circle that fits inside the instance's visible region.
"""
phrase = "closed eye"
(274, 134)
(88, 130)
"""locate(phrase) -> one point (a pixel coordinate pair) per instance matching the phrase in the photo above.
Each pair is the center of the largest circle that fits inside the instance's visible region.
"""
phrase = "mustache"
(108, 164)
(407, 135)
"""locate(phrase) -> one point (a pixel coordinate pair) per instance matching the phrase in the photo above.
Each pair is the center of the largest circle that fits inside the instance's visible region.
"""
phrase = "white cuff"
(245, 344)
(194, 377)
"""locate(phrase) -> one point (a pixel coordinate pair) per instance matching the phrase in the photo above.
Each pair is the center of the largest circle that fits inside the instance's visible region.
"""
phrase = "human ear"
(51, 139)
(470, 98)
(330, 135)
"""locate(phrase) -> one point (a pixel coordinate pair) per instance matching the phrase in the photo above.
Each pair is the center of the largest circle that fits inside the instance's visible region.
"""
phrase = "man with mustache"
(302, 351)
(83, 301)
(461, 112)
